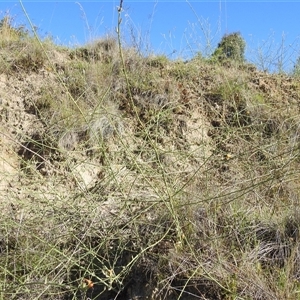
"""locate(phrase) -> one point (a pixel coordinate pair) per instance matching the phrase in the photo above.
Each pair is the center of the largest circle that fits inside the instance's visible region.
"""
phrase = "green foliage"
(159, 61)
(296, 69)
(232, 46)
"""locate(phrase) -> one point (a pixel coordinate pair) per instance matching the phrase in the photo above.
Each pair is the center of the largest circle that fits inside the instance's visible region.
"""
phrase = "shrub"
(296, 69)
(232, 46)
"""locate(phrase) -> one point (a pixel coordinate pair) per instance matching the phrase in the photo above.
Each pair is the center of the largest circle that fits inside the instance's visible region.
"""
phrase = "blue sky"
(177, 28)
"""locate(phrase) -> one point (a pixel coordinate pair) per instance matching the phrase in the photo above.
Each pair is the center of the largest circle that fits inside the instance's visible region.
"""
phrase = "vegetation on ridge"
(133, 177)
(231, 46)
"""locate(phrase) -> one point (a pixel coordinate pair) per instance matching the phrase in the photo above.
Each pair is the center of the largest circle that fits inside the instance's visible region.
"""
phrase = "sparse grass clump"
(20, 52)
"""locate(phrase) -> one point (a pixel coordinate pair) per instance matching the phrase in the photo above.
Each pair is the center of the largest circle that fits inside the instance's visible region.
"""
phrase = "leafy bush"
(232, 46)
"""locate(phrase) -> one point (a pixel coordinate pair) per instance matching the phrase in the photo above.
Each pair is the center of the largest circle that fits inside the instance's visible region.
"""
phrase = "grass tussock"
(133, 177)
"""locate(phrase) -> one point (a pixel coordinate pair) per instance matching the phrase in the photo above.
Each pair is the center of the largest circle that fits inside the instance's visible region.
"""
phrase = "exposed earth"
(125, 178)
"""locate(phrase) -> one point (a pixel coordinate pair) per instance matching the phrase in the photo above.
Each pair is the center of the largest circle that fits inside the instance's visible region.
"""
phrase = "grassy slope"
(171, 180)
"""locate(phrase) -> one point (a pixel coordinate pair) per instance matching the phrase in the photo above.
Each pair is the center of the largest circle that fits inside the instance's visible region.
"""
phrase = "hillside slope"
(155, 179)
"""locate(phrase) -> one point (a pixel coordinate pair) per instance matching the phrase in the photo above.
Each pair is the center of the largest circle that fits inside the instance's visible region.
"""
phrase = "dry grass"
(152, 178)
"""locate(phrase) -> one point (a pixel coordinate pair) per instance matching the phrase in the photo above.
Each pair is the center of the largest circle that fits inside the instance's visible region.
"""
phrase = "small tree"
(232, 46)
